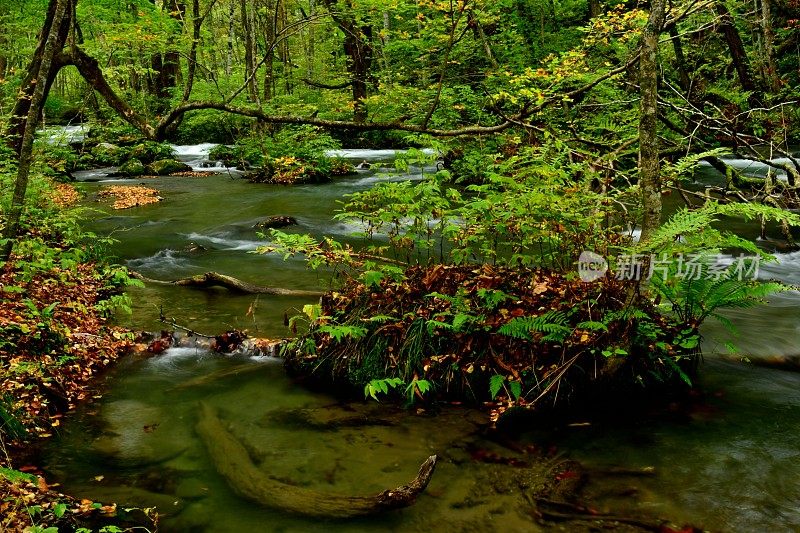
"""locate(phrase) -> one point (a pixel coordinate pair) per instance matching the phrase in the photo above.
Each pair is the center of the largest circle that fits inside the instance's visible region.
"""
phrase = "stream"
(732, 463)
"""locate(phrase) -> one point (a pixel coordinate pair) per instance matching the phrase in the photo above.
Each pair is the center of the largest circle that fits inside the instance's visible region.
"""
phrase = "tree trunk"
(480, 36)
(268, 30)
(229, 56)
(312, 11)
(167, 67)
(197, 23)
(358, 49)
(89, 68)
(770, 69)
(249, 62)
(215, 279)
(595, 9)
(19, 115)
(649, 165)
(736, 46)
(283, 49)
(443, 68)
(53, 42)
(684, 81)
(4, 50)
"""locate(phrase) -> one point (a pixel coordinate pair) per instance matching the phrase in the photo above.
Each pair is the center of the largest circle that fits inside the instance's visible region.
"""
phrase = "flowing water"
(732, 463)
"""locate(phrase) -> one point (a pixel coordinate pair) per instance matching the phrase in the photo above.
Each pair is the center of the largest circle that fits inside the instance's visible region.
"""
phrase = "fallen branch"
(233, 462)
(215, 279)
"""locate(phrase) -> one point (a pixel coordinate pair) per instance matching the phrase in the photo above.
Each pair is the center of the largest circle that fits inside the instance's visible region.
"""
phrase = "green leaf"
(59, 509)
(312, 311)
(495, 384)
(516, 389)
(372, 278)
(15, 475)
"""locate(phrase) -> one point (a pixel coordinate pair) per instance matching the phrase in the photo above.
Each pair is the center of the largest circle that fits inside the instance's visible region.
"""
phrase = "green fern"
(340, 332)
(593, 325)
(693, 231)
(552, 324)
(684, 167)
(695, 300)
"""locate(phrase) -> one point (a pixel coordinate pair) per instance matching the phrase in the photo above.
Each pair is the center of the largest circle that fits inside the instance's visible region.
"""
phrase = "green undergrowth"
(57, 294)
(472, 292)
(483, 334)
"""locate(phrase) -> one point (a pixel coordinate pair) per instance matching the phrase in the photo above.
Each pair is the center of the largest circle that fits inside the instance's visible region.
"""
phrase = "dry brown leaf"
(126, 196)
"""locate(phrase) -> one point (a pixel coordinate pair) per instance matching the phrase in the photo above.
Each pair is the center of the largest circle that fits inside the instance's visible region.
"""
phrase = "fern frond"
(552, 324)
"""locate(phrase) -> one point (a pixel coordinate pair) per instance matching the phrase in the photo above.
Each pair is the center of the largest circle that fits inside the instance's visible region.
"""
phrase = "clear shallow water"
(730, 464)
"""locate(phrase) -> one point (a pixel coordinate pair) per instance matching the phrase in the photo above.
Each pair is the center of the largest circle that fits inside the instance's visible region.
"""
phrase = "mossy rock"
(164, 167)
(122, 135)
(342, 167)
(224, 153)
(263, 174)
(107, 154)
(149, 151)
(289, 171)
(79, 162)
(132, 168)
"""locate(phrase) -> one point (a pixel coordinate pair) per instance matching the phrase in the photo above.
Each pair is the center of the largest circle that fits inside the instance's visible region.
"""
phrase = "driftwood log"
(215, 279)
(233, 462)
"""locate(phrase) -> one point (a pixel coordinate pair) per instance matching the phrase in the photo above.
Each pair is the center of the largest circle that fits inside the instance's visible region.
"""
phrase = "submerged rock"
(191, 489)
(136, 434)
(164, 167)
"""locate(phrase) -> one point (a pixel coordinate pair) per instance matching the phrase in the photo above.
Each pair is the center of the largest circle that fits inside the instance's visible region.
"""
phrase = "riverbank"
(56, 342)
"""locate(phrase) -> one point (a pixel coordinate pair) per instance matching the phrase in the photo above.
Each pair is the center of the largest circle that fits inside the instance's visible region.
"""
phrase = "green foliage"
(495, 384)
(551, 323)
(694, 299)
(381, 386)
(529, 211)
(416, 388)
(339, 332)
(11, 426)
(212, 126)
(498, 382)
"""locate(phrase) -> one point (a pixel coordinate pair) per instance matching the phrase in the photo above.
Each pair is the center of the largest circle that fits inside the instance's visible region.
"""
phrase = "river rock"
(277, 221)
(191, 489)
(108, 154)
(194, 248)
(195, 517)
(132, 168)
(149, 151)
(226, 154)
(164, 167)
